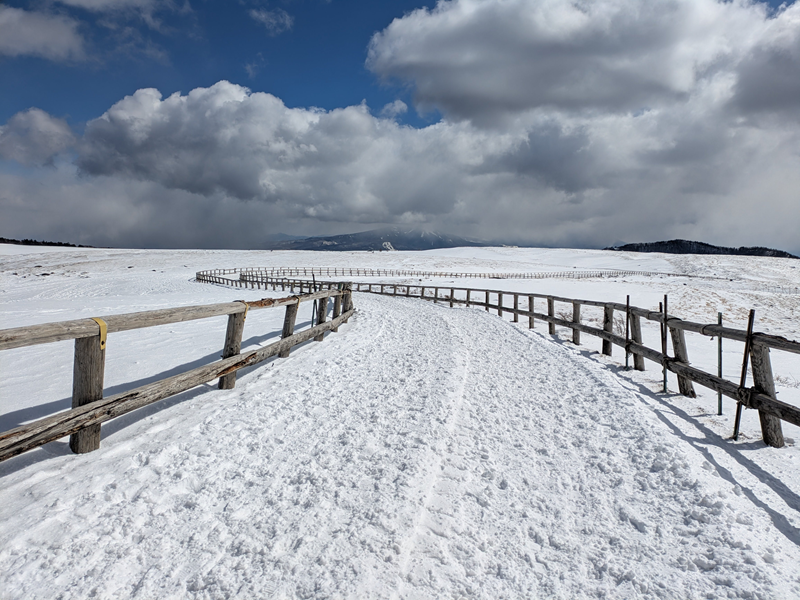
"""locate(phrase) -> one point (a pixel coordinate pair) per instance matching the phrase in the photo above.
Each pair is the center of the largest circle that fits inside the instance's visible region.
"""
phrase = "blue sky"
(318, 61)
(194, 123)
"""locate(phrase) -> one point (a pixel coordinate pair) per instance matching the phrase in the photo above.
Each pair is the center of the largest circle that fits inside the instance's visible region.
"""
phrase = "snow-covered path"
(423, 452)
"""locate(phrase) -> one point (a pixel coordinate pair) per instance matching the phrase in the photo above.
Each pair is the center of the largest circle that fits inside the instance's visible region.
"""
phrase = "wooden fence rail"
(90, 409)
(760, 396)
(258, 279)
(711, 330)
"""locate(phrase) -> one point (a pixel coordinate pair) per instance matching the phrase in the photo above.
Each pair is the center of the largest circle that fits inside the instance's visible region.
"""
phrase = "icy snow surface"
(421, 452)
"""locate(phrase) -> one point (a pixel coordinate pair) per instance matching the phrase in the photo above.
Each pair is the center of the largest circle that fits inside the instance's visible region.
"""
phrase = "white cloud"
(115, 14)
(276, 21)
(33, 137)
(253, 67)
(110, 5)
(25, 32)
(394, 109)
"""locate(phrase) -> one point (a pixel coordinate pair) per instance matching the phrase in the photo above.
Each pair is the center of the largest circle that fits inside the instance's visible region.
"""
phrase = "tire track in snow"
(428, 483)
(594, 499)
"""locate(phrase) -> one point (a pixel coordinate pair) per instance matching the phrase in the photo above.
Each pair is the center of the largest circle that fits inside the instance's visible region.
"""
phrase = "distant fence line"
(290, 272)
(760, 396)
(90, 409)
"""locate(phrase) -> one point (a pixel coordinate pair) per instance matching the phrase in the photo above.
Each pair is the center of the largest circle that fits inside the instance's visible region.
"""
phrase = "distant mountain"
(282, 237)
(389, 238)
(689, 247)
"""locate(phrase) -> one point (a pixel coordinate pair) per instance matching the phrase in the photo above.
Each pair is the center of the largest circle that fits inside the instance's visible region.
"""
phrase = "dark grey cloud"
(769, 80)
(106, 211)
(562, 160)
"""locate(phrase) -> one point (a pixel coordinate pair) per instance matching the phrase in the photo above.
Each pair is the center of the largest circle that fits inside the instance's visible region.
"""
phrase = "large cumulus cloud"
(342, 164)
(482, 59)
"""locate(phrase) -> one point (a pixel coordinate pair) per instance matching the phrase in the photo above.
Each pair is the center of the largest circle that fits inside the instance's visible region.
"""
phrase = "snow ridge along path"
(425, 452)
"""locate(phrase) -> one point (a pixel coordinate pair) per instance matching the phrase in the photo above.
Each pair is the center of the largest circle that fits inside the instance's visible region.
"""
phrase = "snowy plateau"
(421, 452)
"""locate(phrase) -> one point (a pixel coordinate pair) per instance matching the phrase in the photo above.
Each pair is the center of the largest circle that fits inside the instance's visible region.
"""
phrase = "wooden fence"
(255, 274)
(760, 396)
(90, 409)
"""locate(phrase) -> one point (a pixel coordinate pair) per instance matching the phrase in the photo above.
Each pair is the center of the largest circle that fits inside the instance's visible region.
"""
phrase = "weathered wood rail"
(761, 395)
(90, 409)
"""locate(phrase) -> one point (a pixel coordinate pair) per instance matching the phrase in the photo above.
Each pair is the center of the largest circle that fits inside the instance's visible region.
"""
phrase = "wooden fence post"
(322, 314)
(719, 364)
(337, 309)
(233, 345)
(771, 430)
(487, 300)
(288, 325)
(608, 325)
(452, 293)
(500, 304)
(347, 301)
(576, 318)
(516, 308)
(435, 295)
(468, 291)
(87, 386)
(636, 336)
(682, 355)
(530, 309)
(551, 312)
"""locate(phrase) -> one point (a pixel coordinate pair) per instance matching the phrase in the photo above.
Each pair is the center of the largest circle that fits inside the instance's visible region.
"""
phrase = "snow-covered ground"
(421, 452)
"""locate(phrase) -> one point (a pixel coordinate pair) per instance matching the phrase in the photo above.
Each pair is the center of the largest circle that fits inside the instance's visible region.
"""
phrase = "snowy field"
(421, 452)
